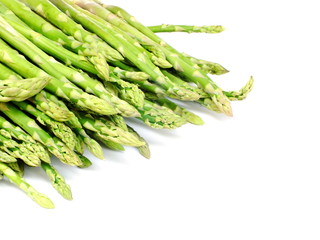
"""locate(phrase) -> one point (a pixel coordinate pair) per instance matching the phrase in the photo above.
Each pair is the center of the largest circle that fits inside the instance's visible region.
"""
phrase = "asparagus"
(42, 26)
(80, 145)
(109, 131)
(6, 158)
(127, 49)
(53, 144)
(93, 56)
(60, 130)
(182, 112)
(17, 166)
(82, 80)
(186, 28)
(72, 120)
(49, 11)
(157, 116)
(19, 151)
(52, 109)
(179, 62)
(57, 181)
(61, 87)
(85, 161)
(96, 65)
(11, 131)
(107, 143)
(93, 146)
(154, 53)
(39, 198)
(40, 100)
(143, 150)
(207, 66)
(19, 90)
(129, 75)
(118, 121)
(242, 93)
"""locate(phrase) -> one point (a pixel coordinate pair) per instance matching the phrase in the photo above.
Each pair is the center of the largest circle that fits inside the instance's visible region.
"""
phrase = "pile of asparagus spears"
(73, 71)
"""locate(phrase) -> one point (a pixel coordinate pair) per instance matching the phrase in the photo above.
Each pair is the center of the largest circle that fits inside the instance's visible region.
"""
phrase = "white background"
(253, 176)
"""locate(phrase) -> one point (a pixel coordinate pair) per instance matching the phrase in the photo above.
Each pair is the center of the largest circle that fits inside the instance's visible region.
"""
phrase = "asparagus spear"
(242, 93)
(107, 143)
(85, 161)
(207, 66)
(182, 112)
(93, 146)
(11, 131)
(19, 90)
(154, 53)
(159, 117)
(49, 11)
(57, 181)
(6, 158)
(179, 62)
(72, 120)
(127, 49)
(41, 100)
(143, 150)
(109, 131)
(19, 151)
(44, 104)
(61, 87)
(60, 130)
(17, 166)
(129, 75)
(53, 144)
(39, 198)
(186, 28)
(59, 70)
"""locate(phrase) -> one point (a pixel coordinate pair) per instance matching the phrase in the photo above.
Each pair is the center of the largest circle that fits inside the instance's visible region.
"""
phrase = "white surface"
(253, 176)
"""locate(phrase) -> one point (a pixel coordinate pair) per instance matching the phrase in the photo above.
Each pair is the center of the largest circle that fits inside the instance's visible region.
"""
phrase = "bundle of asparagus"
(72, 71)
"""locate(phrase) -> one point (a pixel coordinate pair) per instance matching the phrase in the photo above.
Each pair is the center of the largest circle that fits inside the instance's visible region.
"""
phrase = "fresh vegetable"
(73, 71)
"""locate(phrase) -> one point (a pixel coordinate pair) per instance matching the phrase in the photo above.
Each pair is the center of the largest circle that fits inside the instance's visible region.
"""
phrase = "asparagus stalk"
(109, 131)
(51, 66)
(11, 131)
(242, 93)
(85, 161)
(40, 25)
(6, 158)
(17, 166)
(154, 53)
(93, 146)
(39, 198)
(49, 11)
(182, 112)
(207, 66)
(157, 116)
(107, 143)
(61, 87)
(179, 62)
(127, 49)
(143, 150)
(41, 100)
(80, 145)
(43, 103)
(60, 130)
(19, 90)
(53, 144)
(186, 28)
(129, 75)
(19, 151)
(57, 181)
(72, 121)
(59, 70)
